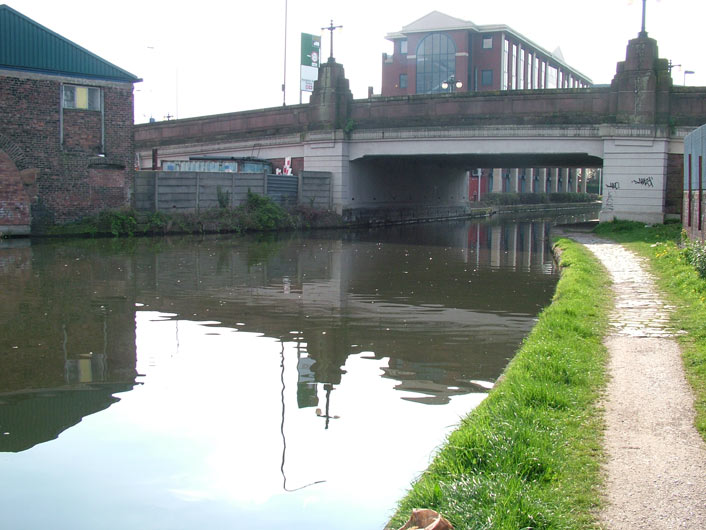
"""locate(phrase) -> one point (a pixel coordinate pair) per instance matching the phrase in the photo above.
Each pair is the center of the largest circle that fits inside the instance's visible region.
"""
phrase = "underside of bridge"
(434, 180)
(474, 160)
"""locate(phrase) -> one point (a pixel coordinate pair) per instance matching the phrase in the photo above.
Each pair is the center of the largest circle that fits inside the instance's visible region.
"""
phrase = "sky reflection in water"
(302, 384)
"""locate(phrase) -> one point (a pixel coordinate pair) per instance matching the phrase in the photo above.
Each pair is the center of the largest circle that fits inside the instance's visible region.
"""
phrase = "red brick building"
(439, 53)
(66, 138)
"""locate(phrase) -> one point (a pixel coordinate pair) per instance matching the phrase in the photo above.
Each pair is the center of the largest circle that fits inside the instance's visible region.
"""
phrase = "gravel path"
(656, 461)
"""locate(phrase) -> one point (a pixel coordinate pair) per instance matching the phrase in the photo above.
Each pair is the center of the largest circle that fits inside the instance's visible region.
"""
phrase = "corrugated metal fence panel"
(283, 189)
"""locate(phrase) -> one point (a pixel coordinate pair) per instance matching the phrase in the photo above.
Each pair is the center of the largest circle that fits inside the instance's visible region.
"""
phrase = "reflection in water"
(33, 417)
(315, 353)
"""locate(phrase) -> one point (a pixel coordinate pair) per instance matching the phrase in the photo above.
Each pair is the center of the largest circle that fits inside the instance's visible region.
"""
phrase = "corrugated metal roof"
(27, 45)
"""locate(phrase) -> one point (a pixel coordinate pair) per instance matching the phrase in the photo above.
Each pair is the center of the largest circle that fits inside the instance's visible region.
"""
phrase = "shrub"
(117, 222)
(264, 213)
(694, 252)
(223, 197)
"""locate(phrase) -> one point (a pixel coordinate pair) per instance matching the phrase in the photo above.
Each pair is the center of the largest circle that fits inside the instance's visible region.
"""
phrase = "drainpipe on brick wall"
(102, 122)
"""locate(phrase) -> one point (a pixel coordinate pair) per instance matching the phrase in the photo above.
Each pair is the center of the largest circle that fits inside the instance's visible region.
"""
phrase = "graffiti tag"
(613, 185)
(609, 206)
(644, 181)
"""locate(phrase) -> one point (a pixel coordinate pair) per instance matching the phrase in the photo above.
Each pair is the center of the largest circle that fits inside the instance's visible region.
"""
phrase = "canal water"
(270, 382)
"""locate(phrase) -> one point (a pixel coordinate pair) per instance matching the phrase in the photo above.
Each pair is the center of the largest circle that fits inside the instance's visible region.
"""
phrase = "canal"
(265, 382)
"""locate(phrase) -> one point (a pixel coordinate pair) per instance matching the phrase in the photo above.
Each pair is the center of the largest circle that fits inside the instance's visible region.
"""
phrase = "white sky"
(211, 57)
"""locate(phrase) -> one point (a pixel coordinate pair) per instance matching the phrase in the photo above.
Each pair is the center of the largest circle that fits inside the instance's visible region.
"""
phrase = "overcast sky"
(211, 57)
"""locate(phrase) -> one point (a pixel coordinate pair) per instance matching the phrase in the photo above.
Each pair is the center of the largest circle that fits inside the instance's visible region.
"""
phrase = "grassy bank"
(683, 286)
(258, 213)
(529, 455)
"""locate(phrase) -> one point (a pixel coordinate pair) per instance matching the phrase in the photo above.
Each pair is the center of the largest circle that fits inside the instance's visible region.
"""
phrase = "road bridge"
(397, 152)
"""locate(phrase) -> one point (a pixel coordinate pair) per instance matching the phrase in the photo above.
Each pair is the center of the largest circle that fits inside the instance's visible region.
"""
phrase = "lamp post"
(451, 84)
(686, 72)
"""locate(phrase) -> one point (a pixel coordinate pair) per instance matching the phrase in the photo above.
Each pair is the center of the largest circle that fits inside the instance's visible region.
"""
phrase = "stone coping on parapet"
(523, 131)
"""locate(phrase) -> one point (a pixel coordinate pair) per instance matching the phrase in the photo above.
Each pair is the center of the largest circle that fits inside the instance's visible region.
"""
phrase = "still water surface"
(223, 382)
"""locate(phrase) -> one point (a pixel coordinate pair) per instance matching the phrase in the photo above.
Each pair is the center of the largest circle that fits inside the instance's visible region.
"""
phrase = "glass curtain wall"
(436, 63)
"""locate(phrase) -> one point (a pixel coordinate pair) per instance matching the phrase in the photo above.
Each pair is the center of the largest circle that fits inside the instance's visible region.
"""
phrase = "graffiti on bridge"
(647, 182)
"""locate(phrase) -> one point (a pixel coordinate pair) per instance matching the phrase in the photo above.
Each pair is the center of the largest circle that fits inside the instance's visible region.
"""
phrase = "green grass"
(684, 288)
(529, 455)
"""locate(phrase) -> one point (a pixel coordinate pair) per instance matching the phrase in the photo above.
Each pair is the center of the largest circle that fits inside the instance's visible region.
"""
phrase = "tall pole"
(643, 33)
(284, 80)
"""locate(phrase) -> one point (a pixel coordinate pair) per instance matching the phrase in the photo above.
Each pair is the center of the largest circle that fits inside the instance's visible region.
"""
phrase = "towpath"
(656, 461)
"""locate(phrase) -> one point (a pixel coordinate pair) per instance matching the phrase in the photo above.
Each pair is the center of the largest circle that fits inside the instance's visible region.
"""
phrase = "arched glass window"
(436, 63)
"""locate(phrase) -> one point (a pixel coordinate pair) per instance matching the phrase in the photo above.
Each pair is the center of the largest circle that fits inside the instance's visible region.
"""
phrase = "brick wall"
(14, 200)
(70, 178)
(82, 131)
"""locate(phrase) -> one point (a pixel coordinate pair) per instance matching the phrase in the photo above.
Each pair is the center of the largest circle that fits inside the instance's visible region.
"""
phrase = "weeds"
(694, 253)
(223, 197)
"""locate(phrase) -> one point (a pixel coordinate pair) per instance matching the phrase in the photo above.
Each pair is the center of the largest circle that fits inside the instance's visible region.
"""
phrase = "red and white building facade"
(439, 53)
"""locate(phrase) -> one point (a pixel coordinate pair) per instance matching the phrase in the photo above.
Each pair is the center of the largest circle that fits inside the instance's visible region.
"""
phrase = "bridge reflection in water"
(256, 345)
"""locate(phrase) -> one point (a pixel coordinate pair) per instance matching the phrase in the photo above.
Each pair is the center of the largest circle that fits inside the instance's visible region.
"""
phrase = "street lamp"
(451, 84)
(685, 74)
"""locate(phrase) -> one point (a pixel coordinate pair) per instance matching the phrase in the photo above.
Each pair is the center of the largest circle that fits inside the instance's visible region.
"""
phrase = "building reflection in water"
(443, 307)
(67, 340)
